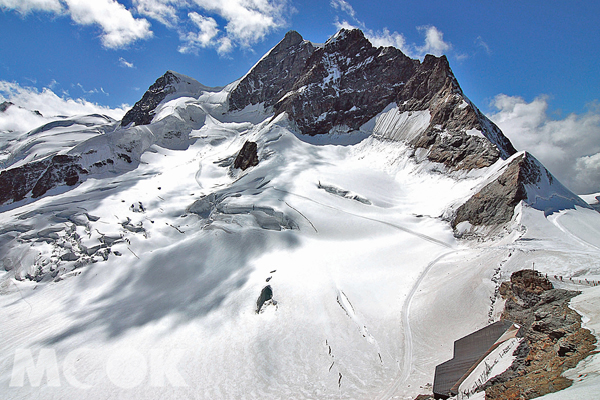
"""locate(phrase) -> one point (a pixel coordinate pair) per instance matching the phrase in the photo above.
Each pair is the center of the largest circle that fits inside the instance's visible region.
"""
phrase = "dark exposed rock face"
(265, 295)
(247, 157)
(494, 204)
(143, 111)
(4, 105)
(347, 82)
(433, 87)
(274, 75)
(554, 340)
(39, 177)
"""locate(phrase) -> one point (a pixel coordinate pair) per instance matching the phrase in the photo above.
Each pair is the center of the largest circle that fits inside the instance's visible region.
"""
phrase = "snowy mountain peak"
(522, 178)
(171, 83)
(274, 75)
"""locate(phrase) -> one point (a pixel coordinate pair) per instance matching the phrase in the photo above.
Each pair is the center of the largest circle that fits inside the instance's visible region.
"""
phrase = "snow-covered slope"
(141, 278)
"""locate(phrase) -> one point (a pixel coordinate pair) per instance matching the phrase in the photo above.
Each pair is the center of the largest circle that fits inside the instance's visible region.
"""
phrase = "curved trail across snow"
(404, 373)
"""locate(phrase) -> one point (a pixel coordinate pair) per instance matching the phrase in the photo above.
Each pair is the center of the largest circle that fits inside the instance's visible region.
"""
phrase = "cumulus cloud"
(28, 6)
(434, 41)
(164, 11)
(221, 25)
(247, 21)
(118, 25)
(343, 6)
(568, 147)
(386, 38)
(21, 116)
(208, 29)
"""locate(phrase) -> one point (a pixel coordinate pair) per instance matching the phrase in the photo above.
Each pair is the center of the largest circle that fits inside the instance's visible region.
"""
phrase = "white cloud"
(344, 6)
(27, 6)
(247, 21)
(479, 42)
(208, 29)
(164, 11)
(119, 27)
(569, 147)
(434, 41)
(21, 117)
(221, 25)
(125, 64)
(385, 38)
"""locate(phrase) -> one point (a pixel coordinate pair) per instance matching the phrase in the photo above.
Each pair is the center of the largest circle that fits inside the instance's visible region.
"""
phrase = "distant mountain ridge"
(336, 88)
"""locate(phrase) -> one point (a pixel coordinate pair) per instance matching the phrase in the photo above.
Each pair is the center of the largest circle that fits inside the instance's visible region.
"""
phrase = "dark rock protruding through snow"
(265, 295)
(247, 157)
(142, 112)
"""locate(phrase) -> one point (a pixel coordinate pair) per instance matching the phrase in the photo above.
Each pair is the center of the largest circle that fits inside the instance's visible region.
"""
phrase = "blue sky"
(528, 63)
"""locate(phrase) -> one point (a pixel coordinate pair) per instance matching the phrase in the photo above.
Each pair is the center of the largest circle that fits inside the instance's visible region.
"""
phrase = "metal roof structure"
(468, 352)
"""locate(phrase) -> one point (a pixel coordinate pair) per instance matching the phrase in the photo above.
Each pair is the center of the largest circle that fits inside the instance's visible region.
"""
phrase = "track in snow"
(585, 243)
(404, 373)
(408, 345)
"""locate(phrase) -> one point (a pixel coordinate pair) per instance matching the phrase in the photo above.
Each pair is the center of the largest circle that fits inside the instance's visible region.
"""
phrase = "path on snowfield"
(404, 372)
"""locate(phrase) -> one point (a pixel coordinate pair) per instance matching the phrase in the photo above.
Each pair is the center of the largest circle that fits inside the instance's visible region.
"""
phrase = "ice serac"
(523, 179)
(274, 75)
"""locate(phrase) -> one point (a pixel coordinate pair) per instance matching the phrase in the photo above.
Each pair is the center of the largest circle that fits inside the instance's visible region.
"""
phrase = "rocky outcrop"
(266, 295)
(39, 177)
(274, 75)
(525, 179)
(142, 112)
(448, 139)
(4, 105)
(247, 157)
(554, 340)
(348, 81)
(495, 203)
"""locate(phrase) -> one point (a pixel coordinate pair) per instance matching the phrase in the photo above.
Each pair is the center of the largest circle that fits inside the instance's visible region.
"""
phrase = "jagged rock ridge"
(274, 75)
(347, 82)
(521, 180)
(143, 111)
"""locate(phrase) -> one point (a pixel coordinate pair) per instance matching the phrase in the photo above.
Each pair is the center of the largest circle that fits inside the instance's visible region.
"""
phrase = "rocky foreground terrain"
(554, 340)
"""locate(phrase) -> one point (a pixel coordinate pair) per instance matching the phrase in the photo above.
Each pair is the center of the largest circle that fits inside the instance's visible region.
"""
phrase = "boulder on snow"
(265, 295)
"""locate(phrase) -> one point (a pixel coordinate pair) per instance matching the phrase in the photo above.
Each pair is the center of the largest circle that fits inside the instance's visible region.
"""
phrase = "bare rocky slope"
(554, 340)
